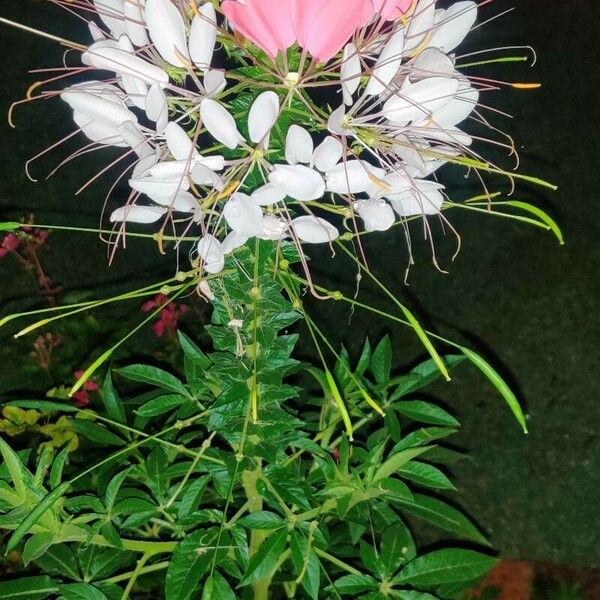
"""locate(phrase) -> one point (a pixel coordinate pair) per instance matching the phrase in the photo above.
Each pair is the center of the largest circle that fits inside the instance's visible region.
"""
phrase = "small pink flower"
(10, 243)
(322, 27)
(82, 398)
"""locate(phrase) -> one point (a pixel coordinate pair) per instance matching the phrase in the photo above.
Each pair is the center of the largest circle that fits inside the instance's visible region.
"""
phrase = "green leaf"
(499, 384)
(392, 464)
(426, 475)
(58, 560)
(422, 375)
(114, 407)
(217, 587)
(112, 489)
(192, 352)
(397, 547)
(36, 546)
(56, 470)
(414, 595)
(44, 405)
(262, 520)
(191, 496)
(445, 566)
(306, 563)
(32, 518)
(548, 221)
(154, 376)
(100, 563)
(190, 561)
(16, 468)
(161, 405)
(425, 412)
(381, 361)
(81, 591)
(442, 515)
(263, 562)
(28, 588)
(355, 584)
(96, 433)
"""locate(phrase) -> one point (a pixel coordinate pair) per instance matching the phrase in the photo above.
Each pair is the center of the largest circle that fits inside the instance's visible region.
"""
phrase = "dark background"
(513, 293)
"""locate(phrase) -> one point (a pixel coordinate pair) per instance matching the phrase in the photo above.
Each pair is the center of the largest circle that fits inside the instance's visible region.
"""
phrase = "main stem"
(255, 504)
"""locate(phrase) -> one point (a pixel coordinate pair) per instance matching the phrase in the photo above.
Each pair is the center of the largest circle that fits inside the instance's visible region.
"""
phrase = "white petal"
(179, 143)
(136, 90)
(98, 108)
(134, 22)
(167, 31)
(214, 163)
(274, 228)
(202, 175)
(299, 146)
(233, 241)
(107, 56)
(203, 35)
(181, 202)
(459, 108)
(387, 65)
(431, 63)
(111, 12)
(137, 214)
(132, 134)
(157, 109)
(211, 254)
(268, 195)
(143, 165)
(420, 25)
(353, 177)
(415, 102)
(243, 215)
(159, 189)
(169, 170)
(99, 131)
(455, 24)
(262, 117)
(220, 124)
(328, 154)
(214, 82)
(314, 230)
(350, 72)
(298, 182)
(95, 31)
(376, 214)
(414, 197)
(337, 122)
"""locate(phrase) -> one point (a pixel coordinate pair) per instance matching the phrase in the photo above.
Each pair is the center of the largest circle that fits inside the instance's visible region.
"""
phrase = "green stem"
(336, 561)
(144, 571)
(136, 573)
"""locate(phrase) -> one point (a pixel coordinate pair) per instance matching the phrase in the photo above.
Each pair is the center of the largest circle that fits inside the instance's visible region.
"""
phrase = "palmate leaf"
(154, 376)
(59, 560)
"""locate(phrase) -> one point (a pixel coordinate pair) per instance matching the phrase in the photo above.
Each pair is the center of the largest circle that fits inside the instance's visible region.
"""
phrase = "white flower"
(452, 25)
(243, 215)
(411, 197)
(137, 214)
(354, 177)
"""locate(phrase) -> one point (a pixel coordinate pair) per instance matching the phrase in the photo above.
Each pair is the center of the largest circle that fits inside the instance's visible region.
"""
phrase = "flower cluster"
(220, 107)
(168, 320)
(83, 397)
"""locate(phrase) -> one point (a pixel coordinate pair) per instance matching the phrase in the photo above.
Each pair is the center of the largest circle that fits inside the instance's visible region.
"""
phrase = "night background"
(527, 303)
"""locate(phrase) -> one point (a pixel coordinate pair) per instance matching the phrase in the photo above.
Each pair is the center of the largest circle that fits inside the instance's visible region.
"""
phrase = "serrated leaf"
(426, 412)
(426, 475)
(81, 591)
(442, 515)
(36, 546)
(96, 433)
(154, 376)
(445, 566)
(392, 464)
(264, 561)
(28, 588)
(306, 563)
(190, 561)
(397, 547)
(217, 587)
(355, 584)
(114, 407)
(262, 520)
(58, 560)
(381, 361)
(161, 405)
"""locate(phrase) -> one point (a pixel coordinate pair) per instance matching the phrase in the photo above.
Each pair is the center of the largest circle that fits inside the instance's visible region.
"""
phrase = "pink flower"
(390, 10)
(168, 320)
(322, 27)
(9, 244)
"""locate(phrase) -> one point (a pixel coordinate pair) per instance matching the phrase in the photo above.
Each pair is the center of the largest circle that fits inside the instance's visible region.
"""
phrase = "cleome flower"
(230, 141)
